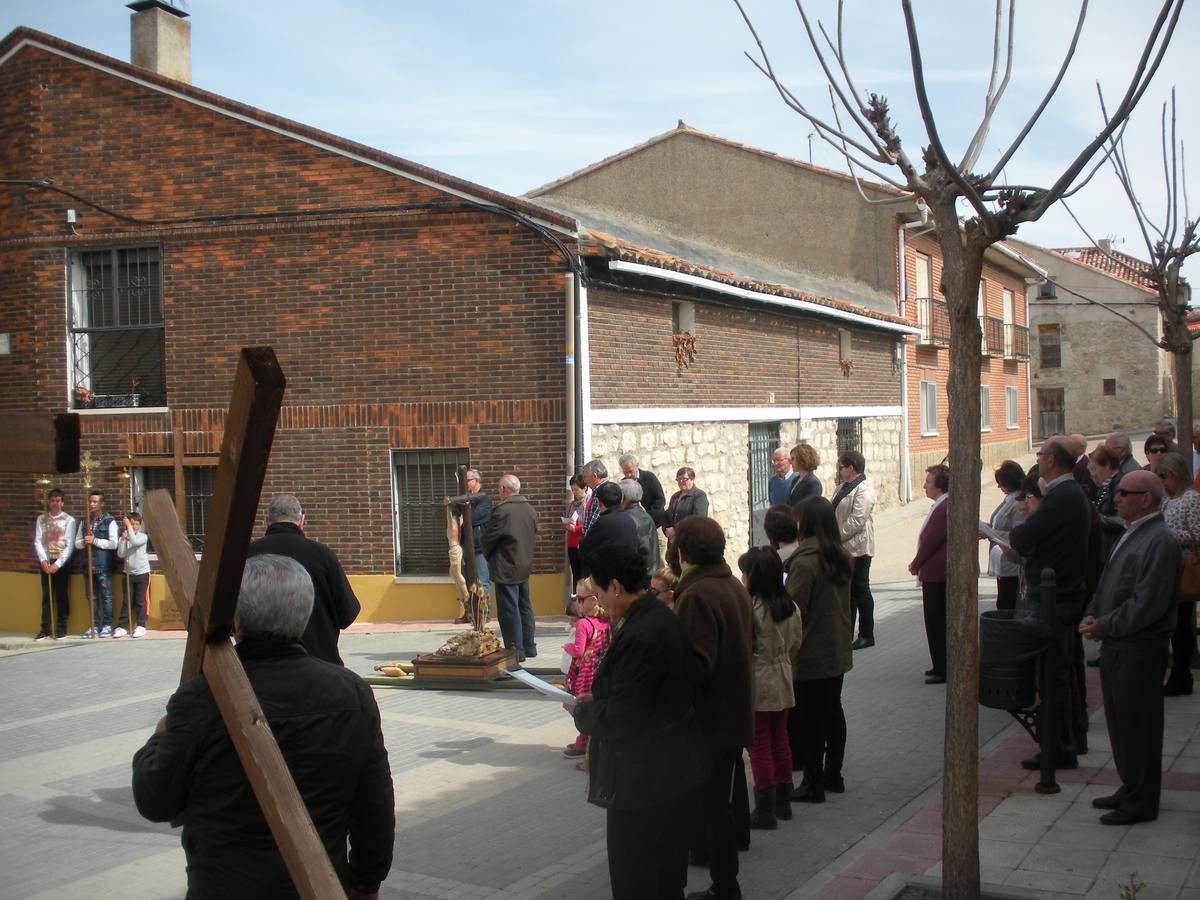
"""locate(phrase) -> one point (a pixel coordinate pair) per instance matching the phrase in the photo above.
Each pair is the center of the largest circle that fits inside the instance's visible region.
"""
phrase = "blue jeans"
(101, 599)
(515, 613)
(481, 572)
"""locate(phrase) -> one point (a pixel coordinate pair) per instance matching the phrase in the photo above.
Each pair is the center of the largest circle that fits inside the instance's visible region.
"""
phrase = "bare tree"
(861, 129)
(1168, 246)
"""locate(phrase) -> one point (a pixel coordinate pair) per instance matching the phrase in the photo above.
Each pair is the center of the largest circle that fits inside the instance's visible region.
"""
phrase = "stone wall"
(718, 453)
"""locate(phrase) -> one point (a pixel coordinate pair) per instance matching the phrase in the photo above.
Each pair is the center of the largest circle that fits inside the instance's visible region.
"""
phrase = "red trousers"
(770, 755)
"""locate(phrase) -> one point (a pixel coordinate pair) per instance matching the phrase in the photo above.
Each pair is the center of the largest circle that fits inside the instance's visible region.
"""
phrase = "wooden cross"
(206, 594)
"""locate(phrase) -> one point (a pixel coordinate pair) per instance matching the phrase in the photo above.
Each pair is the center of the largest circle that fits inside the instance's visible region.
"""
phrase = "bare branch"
(1148, 63)
(1051, 91)
(1121, 168)
(992, 101)
(888, 179)
(914, 50)
(1112, 147)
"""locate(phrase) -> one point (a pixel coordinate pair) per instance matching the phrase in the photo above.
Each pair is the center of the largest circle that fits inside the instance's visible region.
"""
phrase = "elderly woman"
(929, 565)
(806, 483)
(689, 500)
(818, 582)
(853, 505)
(646, 754)
(1181, 512)
(1007, 571)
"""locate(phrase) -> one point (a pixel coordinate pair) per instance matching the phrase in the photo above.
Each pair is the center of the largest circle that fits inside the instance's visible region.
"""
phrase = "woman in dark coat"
(689, 500)
(806, 483)
(646, 754)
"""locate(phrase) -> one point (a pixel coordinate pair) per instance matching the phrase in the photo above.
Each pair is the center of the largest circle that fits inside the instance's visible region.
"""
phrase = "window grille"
(764, 438)
(116, 328)
(421, 479)
(198, 484)
(1050, 346)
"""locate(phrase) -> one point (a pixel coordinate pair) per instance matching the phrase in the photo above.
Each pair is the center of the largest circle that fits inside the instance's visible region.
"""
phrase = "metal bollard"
(1046, 724)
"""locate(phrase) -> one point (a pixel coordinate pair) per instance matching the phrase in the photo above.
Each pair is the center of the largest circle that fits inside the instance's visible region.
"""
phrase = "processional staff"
(43, 481)
(87, 464)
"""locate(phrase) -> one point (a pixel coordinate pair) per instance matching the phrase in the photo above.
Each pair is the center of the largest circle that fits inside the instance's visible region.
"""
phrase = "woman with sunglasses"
(1154, 447)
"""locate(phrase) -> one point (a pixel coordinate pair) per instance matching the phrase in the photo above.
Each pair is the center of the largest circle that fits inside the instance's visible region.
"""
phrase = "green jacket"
(825, 611)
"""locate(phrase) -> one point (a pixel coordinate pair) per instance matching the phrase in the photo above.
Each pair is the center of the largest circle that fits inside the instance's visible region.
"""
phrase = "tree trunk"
(1175, 331)
(962, 256)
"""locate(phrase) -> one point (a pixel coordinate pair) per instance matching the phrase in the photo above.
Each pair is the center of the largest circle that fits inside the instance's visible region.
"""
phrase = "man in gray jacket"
(508, 544)
(1133, 613)
(647, 531)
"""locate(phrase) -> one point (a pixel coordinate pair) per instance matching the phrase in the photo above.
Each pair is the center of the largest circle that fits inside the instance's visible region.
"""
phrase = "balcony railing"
(1016, 342)
(993, 336)
(934, 322)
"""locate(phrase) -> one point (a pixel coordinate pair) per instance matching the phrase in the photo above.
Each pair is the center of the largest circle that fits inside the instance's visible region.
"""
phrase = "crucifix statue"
(206, 593)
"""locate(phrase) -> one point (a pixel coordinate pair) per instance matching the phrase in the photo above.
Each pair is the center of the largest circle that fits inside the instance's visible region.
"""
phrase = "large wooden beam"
(232, 509)
(307, 861)
(179, 567)
(40, 442)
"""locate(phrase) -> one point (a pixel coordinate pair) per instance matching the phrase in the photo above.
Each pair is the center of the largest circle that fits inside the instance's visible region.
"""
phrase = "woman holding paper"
(646, 754)
(1006, 569)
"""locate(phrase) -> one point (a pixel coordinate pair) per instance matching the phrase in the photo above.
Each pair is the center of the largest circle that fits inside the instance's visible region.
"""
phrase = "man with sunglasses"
(1133, 613)
(1056, 537)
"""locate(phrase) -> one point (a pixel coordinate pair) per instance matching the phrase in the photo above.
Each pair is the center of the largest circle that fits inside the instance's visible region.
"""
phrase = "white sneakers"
(106, 631)
(90, 633)
(138, 632)
(119, 632)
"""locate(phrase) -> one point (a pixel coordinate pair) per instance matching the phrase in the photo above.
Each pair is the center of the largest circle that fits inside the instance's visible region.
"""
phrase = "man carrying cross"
(326, 723)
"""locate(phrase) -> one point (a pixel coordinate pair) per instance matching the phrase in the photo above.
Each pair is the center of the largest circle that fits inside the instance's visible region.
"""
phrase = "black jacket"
(1056, 537)
(326, 722)
(654, 500)
(334, 605)
(510, 539)
(646, 745)
(808, 486)
(615, 528)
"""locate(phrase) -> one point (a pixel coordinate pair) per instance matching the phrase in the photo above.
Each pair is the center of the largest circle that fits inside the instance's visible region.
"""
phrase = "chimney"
(160, 39)
(1105, 245)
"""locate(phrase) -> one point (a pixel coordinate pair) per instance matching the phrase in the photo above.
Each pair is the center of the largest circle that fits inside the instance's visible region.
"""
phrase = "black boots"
(763, 817)
(783, 801)
(812, 789)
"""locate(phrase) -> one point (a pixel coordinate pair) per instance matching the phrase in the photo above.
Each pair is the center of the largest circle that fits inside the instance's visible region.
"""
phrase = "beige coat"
(778, 642)
(855, 520)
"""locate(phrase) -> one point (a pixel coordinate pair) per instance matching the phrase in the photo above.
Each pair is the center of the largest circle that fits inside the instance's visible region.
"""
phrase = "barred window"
(198, 484)
(421, 479)
(116, 329)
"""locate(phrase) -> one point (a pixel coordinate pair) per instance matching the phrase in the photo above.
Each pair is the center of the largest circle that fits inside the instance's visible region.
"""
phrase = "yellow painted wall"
(383, 600)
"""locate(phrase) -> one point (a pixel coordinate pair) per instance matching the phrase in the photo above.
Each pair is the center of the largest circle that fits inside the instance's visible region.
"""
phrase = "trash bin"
(1009, 645)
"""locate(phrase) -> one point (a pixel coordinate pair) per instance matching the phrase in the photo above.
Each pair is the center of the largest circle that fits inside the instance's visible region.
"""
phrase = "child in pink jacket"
(591, 640)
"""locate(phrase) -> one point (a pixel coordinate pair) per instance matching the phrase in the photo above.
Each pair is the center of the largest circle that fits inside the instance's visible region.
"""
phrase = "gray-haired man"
(647, 531)
(509, 543)
(326, 723)
(335, 607)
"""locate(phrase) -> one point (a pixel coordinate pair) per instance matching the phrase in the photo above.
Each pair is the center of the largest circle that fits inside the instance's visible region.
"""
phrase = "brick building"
(149, 229)
(787, 222)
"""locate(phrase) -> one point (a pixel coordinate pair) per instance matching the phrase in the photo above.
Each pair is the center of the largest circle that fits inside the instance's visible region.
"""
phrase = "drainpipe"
(583, 444)
(569, 365)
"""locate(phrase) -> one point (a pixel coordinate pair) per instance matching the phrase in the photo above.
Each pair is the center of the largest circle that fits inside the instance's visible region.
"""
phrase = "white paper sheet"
(542, 687)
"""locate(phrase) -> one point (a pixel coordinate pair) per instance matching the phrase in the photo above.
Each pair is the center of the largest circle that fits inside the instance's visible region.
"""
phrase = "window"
(198, 487)
(1047, 290)
(683, 317)
(421, 478)
(116, 329)
(1009, 314)
(981, 314)
(1050, 346)
(849, 435)
(922, 271)
(1110, 387)
(843, 344)
(985, 408)
(1010, 407)
(764, 438)
(928, 407)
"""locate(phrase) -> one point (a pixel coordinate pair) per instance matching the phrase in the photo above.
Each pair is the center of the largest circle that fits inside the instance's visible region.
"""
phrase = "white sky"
(515, 94)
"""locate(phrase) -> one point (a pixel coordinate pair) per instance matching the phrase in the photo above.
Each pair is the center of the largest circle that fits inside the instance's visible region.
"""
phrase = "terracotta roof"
(1193, 321)
(23, 36)
(1127, 268)
(616, 248)
(684, 128)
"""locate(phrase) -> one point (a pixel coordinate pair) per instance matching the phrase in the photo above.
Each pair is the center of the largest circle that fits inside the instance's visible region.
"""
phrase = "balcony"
(934, 322)
(1016, 342)
(992, 342)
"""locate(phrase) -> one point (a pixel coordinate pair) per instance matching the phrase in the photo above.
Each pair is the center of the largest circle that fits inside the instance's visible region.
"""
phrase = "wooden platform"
(465, 668)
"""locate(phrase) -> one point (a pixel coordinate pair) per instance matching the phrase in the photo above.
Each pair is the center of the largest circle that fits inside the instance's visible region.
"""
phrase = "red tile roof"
(1112, 262)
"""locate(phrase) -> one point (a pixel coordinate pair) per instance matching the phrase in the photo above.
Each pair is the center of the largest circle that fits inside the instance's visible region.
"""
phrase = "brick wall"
(743, 356)
(426, 328)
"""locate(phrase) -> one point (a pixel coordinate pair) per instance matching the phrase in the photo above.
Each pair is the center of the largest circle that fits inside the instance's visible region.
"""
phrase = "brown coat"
(714, 609)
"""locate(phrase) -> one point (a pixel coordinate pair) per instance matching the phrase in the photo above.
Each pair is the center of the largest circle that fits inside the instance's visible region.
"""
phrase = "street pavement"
(488, 807)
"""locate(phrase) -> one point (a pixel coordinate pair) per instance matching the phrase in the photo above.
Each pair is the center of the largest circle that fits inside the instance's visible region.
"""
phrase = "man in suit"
(654, 501)
(1056, 537)
(1133, 613)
